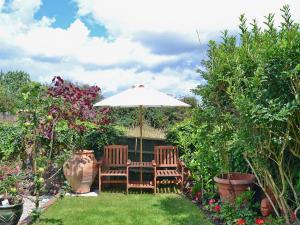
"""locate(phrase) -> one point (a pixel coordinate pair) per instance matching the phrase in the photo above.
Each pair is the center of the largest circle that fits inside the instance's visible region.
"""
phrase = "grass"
(120, 209)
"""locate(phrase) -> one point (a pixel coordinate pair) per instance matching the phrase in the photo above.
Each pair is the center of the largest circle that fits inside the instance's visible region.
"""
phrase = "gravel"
(29, 204)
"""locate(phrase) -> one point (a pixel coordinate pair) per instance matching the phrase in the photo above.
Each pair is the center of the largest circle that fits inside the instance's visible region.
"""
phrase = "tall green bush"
(11, 142)
(250, 112)
(11, 84)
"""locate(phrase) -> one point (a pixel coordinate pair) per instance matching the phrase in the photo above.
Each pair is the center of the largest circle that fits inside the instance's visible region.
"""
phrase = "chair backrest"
(166, 156)
(115, 155)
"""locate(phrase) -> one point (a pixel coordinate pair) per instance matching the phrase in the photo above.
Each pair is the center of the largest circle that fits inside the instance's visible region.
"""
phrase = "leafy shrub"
(250, 112)
(11, 142)
(197, 151)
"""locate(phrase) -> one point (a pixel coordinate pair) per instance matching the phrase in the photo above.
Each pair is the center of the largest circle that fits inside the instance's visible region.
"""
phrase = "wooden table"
(143, 184)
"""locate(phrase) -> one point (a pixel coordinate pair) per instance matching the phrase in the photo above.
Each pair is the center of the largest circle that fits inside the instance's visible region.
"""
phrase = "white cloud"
(179, 16)
(150, 42)
(1, 4)
(176, 82)
(24, 10)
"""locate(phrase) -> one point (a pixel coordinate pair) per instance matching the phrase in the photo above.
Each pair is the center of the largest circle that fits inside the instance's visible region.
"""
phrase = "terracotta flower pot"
(10, 215)
(80, 171)
(265, 207)
(233, 184)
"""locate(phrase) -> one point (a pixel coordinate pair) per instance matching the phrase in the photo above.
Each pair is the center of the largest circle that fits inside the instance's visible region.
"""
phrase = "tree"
(6, 103)
(12, 83)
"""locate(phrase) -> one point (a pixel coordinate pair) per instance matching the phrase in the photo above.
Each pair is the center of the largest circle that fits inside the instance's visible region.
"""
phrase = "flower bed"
(244, 211)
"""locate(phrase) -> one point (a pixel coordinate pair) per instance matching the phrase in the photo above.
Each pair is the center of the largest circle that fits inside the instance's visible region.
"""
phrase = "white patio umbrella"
(141, 96)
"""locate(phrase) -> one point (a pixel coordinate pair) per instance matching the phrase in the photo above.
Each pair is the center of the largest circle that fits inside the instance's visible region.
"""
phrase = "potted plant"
(81, 169)
(11, 202)
(231, 185)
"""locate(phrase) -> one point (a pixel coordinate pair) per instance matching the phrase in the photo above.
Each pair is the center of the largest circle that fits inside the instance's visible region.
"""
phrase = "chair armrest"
(128, 162)
(153, 163)
(100, 162)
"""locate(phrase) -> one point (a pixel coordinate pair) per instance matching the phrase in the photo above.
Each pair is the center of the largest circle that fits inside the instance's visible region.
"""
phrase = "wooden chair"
(167, 164)
(114, 163)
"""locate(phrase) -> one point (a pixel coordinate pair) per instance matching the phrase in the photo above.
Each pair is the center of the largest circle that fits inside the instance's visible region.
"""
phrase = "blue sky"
(116, 44)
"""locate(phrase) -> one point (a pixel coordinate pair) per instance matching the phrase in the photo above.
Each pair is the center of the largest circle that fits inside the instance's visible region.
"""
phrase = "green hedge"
(11, 139)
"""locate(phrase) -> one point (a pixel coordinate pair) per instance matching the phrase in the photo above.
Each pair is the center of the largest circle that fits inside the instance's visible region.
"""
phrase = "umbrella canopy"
(141, 96)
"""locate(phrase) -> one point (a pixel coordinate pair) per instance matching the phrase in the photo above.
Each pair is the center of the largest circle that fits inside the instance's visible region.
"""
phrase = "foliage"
(11, 142)
(55, 120)
(198, 151)
(73, 105)
(156, 117)
(196, 189)
(10, 177)
(244, 208)
(11, 84)
(6, 103)
(249, 116)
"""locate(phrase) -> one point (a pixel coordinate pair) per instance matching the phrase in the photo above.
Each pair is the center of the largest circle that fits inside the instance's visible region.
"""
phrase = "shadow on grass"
(179, 213)
(51, 221)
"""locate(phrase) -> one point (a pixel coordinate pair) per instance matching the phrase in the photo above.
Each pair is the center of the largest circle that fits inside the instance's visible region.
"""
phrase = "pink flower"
(259, 221)
(241, 221)
(212, 201)
(217, 208)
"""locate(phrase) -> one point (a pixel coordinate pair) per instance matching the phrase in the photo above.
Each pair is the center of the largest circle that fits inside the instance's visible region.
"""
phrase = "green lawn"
(120, 209)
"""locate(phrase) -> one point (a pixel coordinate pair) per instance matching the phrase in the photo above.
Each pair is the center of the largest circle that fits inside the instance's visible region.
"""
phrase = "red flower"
(259, 221)
(241, 221)
(217, 208)
(211, 201)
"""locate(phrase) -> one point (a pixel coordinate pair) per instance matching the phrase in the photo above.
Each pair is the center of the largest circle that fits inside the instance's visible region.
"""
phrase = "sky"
(117, 44)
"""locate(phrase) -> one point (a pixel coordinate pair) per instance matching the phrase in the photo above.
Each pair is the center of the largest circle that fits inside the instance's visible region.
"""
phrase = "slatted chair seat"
(167, 173)
(167, 164)
(114, 164)
(113, 173)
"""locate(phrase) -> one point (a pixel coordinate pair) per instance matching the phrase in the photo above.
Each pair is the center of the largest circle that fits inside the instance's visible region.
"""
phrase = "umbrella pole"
(141, 142)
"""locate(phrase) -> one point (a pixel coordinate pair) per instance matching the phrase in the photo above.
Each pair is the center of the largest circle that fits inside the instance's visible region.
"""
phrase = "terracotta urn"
(80, 171)
(231, 185)
(266, 208)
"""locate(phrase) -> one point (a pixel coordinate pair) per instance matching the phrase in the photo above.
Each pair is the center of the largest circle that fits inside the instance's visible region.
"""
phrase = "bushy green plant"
(54, 120)
(244, 208)
(250, 112)
(10, 179)
(197, 150)
(11, 142)
(11, 84)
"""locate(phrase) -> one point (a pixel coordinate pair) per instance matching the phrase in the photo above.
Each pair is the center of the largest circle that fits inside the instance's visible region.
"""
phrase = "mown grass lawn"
(120, 209)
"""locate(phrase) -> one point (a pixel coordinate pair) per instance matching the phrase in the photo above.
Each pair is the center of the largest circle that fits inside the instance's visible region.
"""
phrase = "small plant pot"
(266, 208)
(231, 185)
(80, 171)
(11, 214)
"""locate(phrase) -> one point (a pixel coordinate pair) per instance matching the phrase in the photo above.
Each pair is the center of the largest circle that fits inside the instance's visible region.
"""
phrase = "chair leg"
(181, 185)
(182, 179)
(99, 180)
(155, 180)
(127, 180)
